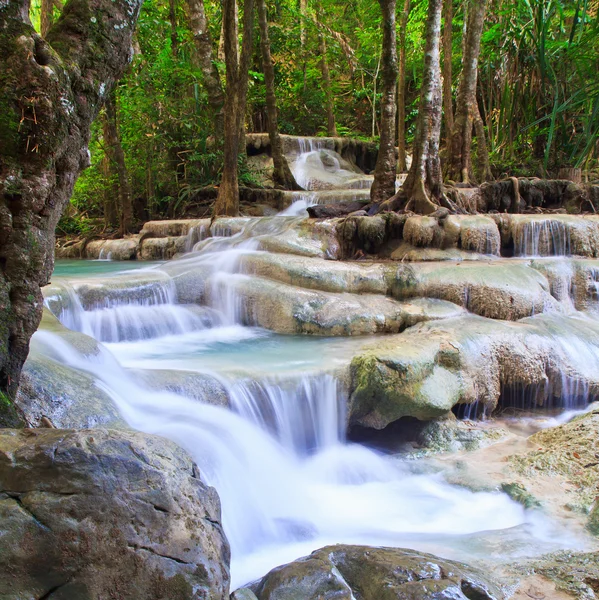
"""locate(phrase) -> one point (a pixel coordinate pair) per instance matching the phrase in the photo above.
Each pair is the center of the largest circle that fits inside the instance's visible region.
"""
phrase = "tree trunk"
(401, 91)
(227, 201)
(385, 170)
(282, 175)
(172, 17)
(46, 16)
(50, 92)
(422, 190)
(196, 17)
(326, 80)
(245, 59)
(114, 150)
(460, 159)
(482, 154)
(303, 6)
(447, 69)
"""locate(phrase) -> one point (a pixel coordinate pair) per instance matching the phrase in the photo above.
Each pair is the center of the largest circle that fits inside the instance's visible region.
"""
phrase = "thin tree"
(383, 186)
(51, 90)
(282, 175)
(401, 90)
(447, 68)
(227, 201)
(460, 159)
(196, 17)
(326, 76)
(116, 157)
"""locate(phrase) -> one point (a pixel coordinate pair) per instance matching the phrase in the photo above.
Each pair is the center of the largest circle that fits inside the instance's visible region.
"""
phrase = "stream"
(289, 479)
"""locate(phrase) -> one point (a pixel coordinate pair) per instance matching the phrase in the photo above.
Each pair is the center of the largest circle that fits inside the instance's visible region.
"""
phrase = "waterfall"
(548, 237)
(287, 490)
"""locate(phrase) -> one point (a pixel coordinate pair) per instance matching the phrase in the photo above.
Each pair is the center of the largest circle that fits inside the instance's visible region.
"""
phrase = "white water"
(288, 481)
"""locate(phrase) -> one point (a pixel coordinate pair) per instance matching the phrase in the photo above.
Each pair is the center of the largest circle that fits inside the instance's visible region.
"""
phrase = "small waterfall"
(300, 202)
(282, 498)
(306, 417)
(546, 237)
(105, 255)
(131, 318)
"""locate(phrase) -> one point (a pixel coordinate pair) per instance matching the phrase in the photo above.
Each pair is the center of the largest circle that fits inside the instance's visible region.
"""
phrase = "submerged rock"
(105, 514)
(349, 572)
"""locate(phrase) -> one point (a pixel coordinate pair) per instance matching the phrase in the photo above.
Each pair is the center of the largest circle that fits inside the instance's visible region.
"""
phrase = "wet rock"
(432, 367)
(68, 397)
(123, 249)
(347, 572)
(291, 310)
(332, 211)
(497, 290)
(569, 450)
(173, 228)
(163, 248)
(101, 513)
(318, 274)
(518, 493)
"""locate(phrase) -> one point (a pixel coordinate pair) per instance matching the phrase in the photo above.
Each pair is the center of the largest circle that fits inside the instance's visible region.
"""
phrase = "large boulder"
(104, 514)
(350, 572)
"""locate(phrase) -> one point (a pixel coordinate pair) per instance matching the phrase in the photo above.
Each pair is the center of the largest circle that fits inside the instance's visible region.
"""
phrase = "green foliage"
(538, 94)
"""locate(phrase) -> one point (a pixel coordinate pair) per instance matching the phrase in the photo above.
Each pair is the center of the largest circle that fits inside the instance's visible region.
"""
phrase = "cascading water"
(548, 237)
(288, 480)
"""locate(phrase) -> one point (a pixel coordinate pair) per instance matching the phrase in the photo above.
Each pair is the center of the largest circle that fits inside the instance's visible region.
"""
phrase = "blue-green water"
(91, 268)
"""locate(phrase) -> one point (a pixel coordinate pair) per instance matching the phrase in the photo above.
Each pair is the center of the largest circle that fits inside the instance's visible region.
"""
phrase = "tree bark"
(282, 175)
(401, 90)
(116, 156)
(385, 170)
(46, 16)
(422, 190)
(326, 79)
(303, 6)
(196, 16)
(245, 59)
(482, 153)
(172, 17)
(50, 92)
(460, 159)
(447, 69)
(227, 201)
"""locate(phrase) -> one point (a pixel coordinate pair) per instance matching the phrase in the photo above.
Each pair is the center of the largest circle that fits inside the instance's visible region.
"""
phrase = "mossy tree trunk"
(196, 17)
(227, 201)
(401, 90)
(282, 175)
(50, 92)
(460, 159)
(383, 186)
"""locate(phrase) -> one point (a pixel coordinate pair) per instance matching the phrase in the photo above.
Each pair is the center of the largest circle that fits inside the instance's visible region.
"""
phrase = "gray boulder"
(104, 514)
(350, 572)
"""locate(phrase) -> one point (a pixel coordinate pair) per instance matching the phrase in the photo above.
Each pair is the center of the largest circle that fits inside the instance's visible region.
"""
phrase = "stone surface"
(429, 368)
(351, 572)
(104, 514)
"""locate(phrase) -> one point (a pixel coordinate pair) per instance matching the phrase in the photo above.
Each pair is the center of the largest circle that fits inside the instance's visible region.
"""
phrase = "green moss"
(518, 493)
(9, 416)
